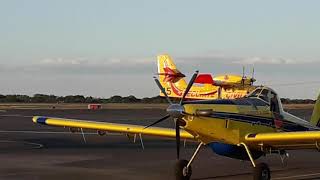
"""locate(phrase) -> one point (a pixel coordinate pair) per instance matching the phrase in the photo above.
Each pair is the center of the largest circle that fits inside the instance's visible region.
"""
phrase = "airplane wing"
(112, 127)
(285, 140)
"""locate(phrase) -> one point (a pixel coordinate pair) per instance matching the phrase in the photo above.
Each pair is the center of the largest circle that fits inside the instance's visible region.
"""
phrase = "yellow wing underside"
(276, 140)
(285, 140)
(112, 127)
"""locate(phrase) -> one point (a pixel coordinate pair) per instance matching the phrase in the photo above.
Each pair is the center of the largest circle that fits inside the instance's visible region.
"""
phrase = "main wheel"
(181, 171)
(261, 172)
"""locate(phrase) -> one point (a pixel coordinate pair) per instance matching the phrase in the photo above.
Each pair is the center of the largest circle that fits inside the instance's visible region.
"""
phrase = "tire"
(180, 169)
(261, 172)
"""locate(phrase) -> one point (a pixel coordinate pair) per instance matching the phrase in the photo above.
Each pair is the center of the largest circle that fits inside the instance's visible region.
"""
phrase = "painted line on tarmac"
(36, 145)
(53, 132)
(15, 115)
(298, 176)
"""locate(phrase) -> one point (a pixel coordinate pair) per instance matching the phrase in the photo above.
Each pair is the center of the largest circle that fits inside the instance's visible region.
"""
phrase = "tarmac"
(33, 151)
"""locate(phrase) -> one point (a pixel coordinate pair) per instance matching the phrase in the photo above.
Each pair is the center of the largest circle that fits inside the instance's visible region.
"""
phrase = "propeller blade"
(162, 89)
(189, 86)
(178, 138)
(156, 122)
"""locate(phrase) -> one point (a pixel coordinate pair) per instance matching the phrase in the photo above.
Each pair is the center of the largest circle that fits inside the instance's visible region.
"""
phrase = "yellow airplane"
(226, 86)
(245, 128)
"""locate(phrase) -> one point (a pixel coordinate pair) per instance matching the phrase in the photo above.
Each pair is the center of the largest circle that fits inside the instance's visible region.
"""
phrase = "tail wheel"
(181, 170)
(261, 172)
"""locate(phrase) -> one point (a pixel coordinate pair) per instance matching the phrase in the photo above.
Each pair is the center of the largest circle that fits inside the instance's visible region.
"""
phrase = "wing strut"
(141, 141)
(83, 136)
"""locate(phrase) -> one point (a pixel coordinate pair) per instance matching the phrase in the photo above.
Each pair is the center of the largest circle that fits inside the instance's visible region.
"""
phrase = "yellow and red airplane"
(245, 128)
(227, 86)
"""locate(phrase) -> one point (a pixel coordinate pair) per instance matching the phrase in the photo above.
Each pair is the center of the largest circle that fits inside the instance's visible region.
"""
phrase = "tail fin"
(168, 73)
(315, 118)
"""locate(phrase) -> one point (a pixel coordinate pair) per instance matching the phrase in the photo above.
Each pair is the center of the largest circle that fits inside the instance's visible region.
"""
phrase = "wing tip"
(35, 118)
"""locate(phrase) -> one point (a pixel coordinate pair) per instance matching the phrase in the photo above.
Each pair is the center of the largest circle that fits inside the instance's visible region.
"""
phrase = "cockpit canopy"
(263, 93)
(268, 96)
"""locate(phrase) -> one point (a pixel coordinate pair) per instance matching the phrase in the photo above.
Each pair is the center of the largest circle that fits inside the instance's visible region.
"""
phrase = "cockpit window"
(260, 93)
(264, 95)
(255, 93)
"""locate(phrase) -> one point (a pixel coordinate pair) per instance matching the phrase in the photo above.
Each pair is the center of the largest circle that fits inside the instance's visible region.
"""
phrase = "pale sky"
(104, 48)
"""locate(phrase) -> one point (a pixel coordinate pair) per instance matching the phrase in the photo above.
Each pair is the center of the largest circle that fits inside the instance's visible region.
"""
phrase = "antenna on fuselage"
(252, 80)
(243, 73)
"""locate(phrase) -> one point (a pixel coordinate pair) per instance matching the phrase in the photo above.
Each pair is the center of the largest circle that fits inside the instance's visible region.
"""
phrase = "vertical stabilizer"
(169, 74)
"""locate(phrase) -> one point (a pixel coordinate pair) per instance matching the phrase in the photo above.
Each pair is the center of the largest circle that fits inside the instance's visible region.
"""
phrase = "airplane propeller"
(160, 120)
(189, 86)
(177, 137)
(162, 89)
(175, 111)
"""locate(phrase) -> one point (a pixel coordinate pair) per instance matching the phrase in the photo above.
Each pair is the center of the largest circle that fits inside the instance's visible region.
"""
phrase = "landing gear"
(261, 172)
(284, 156)
(183, 169)
(182, 172)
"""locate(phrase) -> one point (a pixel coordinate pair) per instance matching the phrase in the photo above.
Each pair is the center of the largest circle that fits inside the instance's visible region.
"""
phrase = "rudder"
(168, 72)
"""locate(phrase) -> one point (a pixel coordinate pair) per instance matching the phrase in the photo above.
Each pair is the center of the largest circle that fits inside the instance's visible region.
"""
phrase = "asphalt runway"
(32, 151)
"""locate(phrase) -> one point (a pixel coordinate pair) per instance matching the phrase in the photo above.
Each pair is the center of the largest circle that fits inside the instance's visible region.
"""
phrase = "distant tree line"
(297, 101)
(43, 98)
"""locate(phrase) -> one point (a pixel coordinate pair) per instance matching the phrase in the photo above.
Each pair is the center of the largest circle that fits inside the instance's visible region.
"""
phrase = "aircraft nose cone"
(175, 110)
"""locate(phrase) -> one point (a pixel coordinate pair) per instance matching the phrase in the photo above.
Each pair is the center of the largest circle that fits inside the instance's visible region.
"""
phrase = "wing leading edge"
(286, 140)
(111, 127)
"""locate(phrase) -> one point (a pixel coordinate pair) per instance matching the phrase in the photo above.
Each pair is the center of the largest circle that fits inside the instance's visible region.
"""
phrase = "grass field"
(5, 106)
